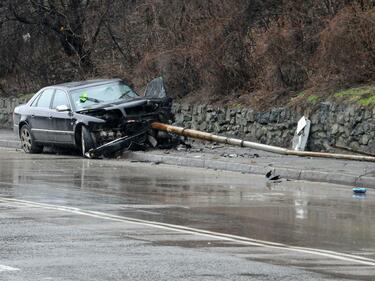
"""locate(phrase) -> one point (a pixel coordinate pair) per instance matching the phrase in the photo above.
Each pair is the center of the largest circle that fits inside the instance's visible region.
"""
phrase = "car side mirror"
(62, 108)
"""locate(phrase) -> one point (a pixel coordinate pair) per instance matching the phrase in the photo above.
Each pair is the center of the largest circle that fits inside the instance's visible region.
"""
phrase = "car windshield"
(105, 93)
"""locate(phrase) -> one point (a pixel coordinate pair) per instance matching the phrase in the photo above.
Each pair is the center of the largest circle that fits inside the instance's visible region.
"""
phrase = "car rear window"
(44, 100)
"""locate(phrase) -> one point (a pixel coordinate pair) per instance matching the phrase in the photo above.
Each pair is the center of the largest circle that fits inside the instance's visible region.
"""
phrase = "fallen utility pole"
(270, 148)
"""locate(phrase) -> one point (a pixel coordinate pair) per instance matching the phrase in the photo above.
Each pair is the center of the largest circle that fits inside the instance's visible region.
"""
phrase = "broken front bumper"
(121, 143)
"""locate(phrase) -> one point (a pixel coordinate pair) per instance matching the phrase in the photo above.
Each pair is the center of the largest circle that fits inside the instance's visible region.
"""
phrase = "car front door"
(62, 121)
(40, 117)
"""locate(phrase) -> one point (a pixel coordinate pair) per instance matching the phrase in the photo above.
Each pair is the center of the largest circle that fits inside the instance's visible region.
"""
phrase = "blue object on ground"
(359, 190)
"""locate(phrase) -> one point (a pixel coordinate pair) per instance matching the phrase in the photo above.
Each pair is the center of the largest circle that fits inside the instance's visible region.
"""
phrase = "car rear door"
(40, 118)
(62, 122)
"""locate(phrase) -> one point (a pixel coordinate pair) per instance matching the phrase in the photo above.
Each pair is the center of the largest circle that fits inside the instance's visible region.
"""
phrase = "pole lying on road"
(270, 148)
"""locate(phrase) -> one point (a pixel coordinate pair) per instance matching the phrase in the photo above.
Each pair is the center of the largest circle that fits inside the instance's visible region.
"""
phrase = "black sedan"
(96, 116)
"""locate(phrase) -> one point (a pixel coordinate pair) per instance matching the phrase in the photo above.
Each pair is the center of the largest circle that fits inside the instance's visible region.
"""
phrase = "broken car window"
(110, 92)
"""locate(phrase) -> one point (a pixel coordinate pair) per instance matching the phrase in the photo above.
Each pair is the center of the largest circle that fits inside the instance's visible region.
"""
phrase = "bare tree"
(65, 20)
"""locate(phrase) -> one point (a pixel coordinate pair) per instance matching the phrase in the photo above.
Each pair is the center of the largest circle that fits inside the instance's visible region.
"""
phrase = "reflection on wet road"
(300, 214)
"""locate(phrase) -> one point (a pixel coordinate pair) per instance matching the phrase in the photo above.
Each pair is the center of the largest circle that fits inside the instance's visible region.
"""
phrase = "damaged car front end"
(125, 124)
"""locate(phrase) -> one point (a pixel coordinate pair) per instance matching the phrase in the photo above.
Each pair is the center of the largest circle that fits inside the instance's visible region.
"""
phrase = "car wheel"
(87, 141)
(27, 141)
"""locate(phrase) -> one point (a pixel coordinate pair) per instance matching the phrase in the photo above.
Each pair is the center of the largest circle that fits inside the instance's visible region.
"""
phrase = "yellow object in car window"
(84, 97)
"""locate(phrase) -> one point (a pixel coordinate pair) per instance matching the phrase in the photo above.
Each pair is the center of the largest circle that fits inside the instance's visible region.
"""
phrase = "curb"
(287, 173)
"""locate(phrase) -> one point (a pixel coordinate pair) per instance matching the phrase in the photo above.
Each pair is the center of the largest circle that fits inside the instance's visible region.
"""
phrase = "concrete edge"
(287, 173)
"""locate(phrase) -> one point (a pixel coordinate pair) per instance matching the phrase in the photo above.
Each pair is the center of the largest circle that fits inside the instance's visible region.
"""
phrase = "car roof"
(69, 86)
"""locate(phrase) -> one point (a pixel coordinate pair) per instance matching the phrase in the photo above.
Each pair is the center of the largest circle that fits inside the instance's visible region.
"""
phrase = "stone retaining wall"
(7, 106)
(332, 125)
(351, 127)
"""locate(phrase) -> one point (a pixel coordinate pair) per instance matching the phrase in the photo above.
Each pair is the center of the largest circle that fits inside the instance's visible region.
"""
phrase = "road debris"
(359, 190)
(229, 155)
(301, 136)
(272, 177)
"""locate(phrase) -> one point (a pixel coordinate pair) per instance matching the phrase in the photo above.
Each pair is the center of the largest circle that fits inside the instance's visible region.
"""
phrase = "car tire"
(87, 141)
(27, 141)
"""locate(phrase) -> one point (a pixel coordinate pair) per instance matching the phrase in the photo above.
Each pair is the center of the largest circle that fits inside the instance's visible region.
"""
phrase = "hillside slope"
(262, 53)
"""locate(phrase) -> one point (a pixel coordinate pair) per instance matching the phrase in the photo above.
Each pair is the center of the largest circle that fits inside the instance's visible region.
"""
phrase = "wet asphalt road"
(66, 218)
